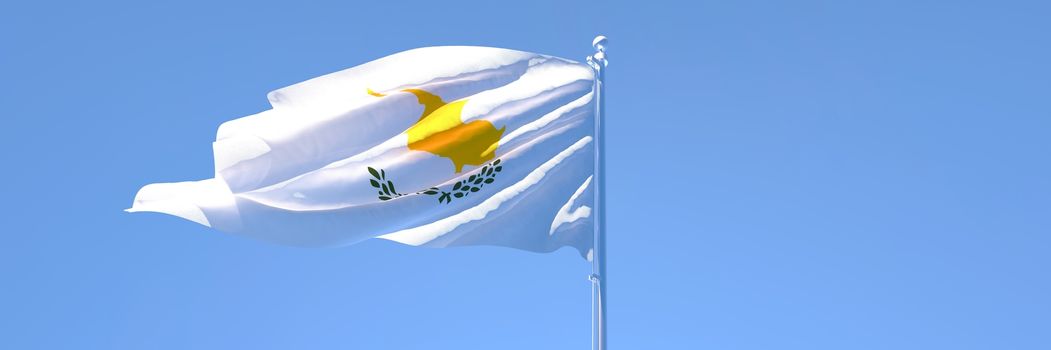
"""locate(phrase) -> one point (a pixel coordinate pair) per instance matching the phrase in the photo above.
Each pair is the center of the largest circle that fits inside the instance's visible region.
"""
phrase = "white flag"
(437, 146)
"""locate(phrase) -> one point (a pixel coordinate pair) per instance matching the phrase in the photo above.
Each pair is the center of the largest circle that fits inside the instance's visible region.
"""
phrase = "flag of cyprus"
(437, 146)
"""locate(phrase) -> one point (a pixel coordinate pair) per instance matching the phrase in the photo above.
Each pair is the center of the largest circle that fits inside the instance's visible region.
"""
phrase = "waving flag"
(438, 146)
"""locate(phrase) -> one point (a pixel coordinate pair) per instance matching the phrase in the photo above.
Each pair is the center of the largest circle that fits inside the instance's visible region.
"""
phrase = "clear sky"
(782, 175)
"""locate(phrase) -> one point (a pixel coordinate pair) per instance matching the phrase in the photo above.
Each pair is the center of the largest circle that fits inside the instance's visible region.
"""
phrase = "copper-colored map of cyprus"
(441, 132)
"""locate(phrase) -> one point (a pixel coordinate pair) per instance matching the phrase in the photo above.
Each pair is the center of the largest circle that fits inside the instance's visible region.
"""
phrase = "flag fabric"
(437, 146)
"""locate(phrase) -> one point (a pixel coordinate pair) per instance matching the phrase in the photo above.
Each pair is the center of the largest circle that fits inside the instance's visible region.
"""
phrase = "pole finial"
(598, 59)
(600, 43)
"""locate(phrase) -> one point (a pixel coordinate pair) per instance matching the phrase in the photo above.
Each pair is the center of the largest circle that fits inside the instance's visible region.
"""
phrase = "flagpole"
(598, 62)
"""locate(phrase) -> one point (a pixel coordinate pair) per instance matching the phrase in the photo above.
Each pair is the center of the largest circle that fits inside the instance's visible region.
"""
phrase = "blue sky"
(804, 175)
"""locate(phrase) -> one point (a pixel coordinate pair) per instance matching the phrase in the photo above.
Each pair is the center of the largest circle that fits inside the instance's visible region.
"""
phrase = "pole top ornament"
(598, 59)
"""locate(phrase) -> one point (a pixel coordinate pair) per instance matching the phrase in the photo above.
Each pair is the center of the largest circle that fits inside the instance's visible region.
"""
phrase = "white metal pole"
(598, 62)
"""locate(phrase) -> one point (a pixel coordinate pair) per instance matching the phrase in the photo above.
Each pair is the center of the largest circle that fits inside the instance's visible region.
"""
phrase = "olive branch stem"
(474, 183)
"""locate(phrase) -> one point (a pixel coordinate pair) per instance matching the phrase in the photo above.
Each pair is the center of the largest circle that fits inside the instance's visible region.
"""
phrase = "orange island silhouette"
(441, 132)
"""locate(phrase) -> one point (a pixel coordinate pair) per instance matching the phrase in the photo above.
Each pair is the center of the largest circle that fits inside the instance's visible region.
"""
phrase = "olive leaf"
(474, 183)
